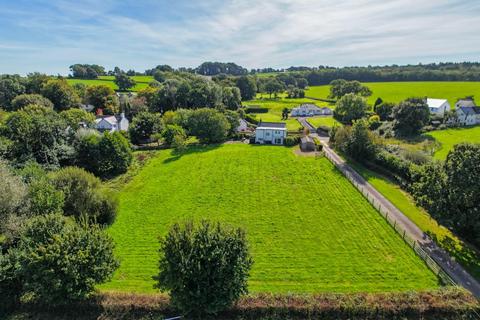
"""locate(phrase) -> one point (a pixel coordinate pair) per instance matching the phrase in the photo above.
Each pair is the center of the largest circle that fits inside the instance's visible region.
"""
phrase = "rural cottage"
(271, 133)
(308, 110)
(112, 123)
(438, 106)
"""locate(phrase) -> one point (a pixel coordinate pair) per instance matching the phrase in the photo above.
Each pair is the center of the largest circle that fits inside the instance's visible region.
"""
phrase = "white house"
(466, 102)
(468, 116)
(271, 133)
(438, 106)
(112, 123)
(242, 126)
(308, 110)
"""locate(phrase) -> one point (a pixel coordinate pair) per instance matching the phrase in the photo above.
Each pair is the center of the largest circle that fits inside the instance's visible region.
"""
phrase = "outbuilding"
(307, 144)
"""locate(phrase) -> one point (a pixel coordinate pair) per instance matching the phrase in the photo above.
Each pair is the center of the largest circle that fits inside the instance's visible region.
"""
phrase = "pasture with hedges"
(308, 228)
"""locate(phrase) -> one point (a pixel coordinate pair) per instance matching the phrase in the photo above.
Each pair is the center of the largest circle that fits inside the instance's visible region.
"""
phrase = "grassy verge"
(442, 304)
(404, 202)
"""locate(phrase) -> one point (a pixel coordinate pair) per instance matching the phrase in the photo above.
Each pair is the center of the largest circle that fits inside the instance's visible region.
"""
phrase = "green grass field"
(308, 228)
(323, 121)
(142, 82)
(450, 137)
(398, 91)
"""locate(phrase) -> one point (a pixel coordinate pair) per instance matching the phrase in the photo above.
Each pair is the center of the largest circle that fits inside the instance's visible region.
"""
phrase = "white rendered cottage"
(438, 106)
(112, 123)
(271, 133)
(468, 116)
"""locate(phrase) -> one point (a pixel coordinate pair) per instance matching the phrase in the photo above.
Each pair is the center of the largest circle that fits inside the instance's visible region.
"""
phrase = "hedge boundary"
(446, 303)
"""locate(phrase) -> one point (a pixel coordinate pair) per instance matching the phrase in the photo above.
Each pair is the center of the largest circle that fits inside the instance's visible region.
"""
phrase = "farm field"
(398, 91)
(275, 107)
(308, 227)
(142, 82)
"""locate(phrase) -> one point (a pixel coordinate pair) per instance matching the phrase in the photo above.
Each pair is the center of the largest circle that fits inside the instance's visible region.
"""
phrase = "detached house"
(112, 123)
(438, 106)
(466, 102)
(468, 116)
(271, 133)
(309, 110)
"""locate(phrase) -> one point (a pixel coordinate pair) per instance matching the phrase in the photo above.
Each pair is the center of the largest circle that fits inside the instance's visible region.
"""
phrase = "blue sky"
(48, 36)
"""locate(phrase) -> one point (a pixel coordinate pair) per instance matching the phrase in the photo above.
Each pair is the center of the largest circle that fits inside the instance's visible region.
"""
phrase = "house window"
(267, 134)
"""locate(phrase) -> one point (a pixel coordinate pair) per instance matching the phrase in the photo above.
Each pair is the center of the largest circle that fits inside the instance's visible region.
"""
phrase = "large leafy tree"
(208, 125)
(384, 110)
(360, 144)
(77, 118)
(410, 116)
(40, 134)
(61, 94)
(462, 168)
(10, 87)
(24, 100)
(144, 125)
(35, 82)
(232, 98)
(340, 87)
(204, 267)
(247, 86)
(349, 108)
(273, 86)
(100, 96)
(123, 81)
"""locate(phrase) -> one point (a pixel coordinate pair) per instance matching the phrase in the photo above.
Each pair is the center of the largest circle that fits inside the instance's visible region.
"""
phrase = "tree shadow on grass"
(192, 149)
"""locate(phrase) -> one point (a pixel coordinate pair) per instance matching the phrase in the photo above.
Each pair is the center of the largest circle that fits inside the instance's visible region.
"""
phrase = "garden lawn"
(308, 227)
(398, 91)
(450, 137)
(323, 121)
(275, 107)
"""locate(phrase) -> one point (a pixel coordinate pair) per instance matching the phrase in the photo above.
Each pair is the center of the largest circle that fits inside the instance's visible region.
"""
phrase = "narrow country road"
(442, 258)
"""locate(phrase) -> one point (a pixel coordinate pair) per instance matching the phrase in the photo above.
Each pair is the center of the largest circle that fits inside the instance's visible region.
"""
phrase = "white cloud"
(275, 33)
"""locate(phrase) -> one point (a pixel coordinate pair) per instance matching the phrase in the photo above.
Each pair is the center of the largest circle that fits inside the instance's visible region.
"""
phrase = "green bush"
(143, 126)
(204, 267)
(251, 119)
(170, 131)
(59, 261)
(292, 140)
(208, 125)
(24, 100)
(256, 110)
(10, 283)
(105, 155)
(84, 195)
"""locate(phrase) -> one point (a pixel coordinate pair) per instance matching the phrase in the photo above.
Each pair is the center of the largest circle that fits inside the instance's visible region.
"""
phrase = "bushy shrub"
(143, 126)
(291, 140)
(205, 267)
(171, 131)
(44, 198)
(84, 195)
(105, 155)
(24, 100)
(59, 261)
(255, 109)
(251, 119)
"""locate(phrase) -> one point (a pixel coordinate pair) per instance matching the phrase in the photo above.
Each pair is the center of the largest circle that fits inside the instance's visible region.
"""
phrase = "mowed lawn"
(308, 228)
(398, 91)
(450, 137)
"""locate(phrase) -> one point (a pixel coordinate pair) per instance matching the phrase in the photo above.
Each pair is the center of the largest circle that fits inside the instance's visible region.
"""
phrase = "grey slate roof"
(272, 125)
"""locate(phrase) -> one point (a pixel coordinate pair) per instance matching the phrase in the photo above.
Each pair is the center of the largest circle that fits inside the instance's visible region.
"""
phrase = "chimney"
(122, 115)
(99, 112)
